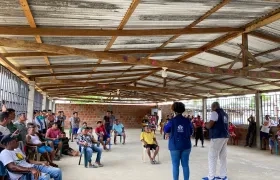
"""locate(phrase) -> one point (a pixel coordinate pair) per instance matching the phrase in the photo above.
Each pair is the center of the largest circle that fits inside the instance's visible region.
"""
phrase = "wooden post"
(245, 60)
(164, 82)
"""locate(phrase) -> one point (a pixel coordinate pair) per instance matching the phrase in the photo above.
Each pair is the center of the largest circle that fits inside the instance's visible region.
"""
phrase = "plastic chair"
(276, 147)
(83, 151)
(145, 152)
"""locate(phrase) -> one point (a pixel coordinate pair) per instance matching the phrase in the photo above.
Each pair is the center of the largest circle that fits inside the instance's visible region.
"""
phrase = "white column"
(53, 106)
(204, 109)
(44, 101)
(30, 108)
(258, 99)
(50, 103)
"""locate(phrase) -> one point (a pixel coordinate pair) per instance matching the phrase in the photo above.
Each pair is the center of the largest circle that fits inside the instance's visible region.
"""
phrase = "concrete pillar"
(204, 109)
(44, 101)
(50, 104)
(53, 106)
(31, 94)
(258, 100)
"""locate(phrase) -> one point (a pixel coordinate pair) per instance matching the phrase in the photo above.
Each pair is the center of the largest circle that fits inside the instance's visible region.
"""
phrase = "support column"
(30, 107)
(204, 109)
(258, 118)
(53, 106)
(44, 101)
(50, 103)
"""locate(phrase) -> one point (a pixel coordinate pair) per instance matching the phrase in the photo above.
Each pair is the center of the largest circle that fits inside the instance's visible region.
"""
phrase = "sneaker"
(202, 146)
(99, 164)
(206, 178)
(225, 178)
(152, 162)
(93, 166)
(194, 145)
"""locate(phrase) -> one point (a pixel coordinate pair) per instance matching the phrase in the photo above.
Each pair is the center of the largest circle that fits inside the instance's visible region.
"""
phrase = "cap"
(8, 138)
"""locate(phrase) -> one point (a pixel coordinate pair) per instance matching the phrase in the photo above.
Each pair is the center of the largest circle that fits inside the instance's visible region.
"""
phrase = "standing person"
(264, 133)
(199, 125)
(41, 122)
(232, 132)
(21, 126)
(75, 123)
(112, 121)
(218, 129)
(12, 116)
(251, 133)
(4, 120)
(179, 144)
(60, 119)
(107, 122)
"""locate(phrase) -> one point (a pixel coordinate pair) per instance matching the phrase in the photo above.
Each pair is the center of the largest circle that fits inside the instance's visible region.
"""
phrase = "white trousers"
(218, 149)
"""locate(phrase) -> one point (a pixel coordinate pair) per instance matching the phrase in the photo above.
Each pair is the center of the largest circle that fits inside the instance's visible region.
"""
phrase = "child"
(66, 149)
(102, 134)
(232, 134)
(271, 143)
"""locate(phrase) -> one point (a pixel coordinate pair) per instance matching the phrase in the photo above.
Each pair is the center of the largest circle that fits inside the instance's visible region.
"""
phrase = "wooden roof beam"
(264, 36)
(25, 7)
(27, 31)
(190, 67)
(140, 51)
(158, 89)
(88, 72)
(264, 20)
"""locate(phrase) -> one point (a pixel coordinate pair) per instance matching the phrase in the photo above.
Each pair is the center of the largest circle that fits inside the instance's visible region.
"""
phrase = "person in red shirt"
(231, 129)
(199, 125)
(102, 135)
(53, 136)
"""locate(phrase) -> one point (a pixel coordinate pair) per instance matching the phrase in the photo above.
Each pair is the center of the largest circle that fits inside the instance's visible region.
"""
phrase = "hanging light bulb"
(163, 72)
(118, 92)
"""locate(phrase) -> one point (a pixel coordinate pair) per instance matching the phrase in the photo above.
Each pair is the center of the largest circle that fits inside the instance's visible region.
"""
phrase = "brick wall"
(130, 115)
(165, 110)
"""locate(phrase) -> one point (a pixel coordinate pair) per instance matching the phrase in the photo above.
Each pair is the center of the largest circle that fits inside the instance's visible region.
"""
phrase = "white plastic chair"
(144, 153)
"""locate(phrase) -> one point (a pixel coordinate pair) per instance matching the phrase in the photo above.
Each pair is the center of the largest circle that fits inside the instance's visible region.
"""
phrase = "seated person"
(20, 168)
(81, 128)
(118, 129)
(150, 143)
(32, 139)
(86, 141)
(231, 129)
(53, 137)
(66, 149)
(102, 135)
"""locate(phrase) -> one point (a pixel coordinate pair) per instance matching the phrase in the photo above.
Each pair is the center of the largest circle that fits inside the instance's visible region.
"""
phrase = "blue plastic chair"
(105, 141)
(83, 151)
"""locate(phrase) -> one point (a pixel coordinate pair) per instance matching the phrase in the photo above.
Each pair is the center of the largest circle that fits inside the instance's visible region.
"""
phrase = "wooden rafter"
(244, 47)
(193, 24)
(269, 18)
(267, 52)
(89, 72)
(264, 36)
(32, 24)
(140, 51)
(190, 67)
(73, 66)
(158, 89)
(26, 31)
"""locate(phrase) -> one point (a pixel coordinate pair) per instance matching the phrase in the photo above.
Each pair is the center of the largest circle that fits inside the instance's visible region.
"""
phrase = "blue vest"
(180, 136)
(220, 128)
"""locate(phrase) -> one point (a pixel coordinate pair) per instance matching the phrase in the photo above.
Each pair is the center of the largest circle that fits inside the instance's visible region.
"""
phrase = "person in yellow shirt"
(150, 143)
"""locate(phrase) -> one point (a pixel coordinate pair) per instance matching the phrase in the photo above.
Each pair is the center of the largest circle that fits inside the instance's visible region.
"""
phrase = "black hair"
(63, 132)
(99, 122)
(3, 115)
(178, 107)
(90, 128)
(50, 110)
(44, 111)
(10, 110)
(55, 123)
(75, 112)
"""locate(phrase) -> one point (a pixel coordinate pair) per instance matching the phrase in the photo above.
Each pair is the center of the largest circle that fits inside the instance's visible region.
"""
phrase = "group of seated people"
(20, 141)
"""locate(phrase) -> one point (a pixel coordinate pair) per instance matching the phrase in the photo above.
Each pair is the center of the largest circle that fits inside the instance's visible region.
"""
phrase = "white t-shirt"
(16, 156)
(265, 128)
(4, 130)
(214, 116)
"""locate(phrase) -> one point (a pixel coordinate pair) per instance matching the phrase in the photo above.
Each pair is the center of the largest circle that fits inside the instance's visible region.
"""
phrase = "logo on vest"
(225, 120)
(180, 129)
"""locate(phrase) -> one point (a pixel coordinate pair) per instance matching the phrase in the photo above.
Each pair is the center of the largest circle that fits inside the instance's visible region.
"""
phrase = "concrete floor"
(124, 162)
